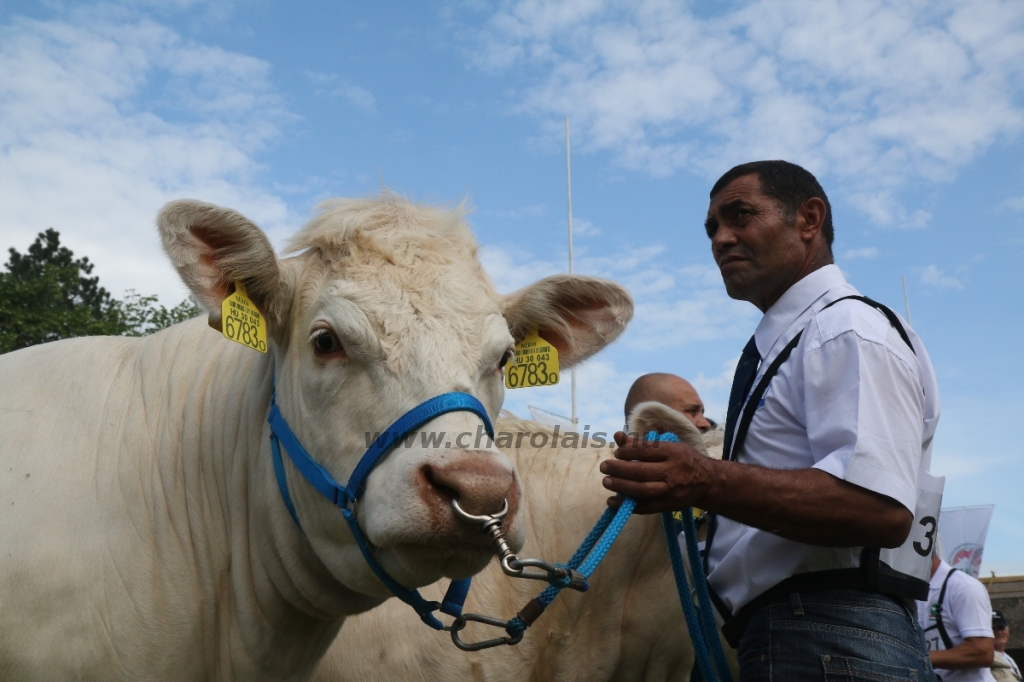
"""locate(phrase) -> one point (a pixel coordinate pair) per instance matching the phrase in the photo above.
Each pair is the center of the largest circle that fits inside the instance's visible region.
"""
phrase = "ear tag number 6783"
(241, 321)
(535, 364)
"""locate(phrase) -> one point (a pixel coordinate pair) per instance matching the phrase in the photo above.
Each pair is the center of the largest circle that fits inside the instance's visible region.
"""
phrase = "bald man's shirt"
(852, 400)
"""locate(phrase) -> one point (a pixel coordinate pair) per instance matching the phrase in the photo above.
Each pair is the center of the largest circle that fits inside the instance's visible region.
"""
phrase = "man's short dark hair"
(787, 183)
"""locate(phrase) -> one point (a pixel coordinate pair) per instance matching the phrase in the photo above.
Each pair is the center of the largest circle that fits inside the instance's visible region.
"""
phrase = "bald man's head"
(668, 389)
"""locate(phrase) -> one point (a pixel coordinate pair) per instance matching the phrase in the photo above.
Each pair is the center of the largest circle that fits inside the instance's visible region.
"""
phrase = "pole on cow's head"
(568, 183)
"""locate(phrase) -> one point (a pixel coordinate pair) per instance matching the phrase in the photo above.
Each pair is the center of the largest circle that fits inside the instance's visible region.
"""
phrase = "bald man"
(670, 390)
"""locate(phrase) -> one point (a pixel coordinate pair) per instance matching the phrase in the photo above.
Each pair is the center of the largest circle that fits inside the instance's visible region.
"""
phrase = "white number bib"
(914, 556)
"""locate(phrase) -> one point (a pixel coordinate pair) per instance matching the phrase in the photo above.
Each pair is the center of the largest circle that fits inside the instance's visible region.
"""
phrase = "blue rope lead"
(703, 630)
(702, 626)
(693, 623)
(586, 559)
(703, 597)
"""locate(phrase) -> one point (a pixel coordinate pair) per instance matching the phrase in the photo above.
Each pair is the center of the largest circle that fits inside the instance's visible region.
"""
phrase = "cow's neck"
(285, 606)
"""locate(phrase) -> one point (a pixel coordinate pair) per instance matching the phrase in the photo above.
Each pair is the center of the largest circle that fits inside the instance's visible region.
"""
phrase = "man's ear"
(813, 213)
(577, 315)
(212, 248)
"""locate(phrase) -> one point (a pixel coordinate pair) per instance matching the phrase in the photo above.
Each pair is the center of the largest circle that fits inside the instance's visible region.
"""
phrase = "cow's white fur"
(628, 628)
(142, 535)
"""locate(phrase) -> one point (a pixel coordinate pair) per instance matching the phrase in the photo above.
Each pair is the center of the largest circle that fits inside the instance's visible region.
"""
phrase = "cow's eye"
(325, 343)
(509, 354)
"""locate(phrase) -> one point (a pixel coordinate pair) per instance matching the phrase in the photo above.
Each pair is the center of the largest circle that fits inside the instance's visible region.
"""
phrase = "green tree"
(144, 314)
(47, 294)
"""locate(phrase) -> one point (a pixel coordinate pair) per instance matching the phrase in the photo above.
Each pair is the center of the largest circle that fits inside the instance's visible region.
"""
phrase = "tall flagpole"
(568, 183)
(906, 299)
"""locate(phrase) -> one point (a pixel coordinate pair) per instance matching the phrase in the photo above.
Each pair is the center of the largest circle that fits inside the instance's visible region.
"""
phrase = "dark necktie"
(746, 370)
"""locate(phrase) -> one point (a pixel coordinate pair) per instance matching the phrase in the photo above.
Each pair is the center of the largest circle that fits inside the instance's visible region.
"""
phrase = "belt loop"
(794, 600)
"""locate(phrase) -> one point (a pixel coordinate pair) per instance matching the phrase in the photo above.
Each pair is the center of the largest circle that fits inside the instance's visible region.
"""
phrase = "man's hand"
(973, 652)
(660, 475)
(805, 505)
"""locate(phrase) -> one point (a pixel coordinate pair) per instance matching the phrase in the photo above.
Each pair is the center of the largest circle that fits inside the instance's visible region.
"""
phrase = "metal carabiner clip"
(511, 564)
(460, 623)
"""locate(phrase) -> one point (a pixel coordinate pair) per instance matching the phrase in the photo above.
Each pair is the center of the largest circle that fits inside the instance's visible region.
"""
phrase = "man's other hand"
(660, 475)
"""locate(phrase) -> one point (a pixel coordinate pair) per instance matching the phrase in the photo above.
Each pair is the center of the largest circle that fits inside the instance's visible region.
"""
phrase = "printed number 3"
(929, 536)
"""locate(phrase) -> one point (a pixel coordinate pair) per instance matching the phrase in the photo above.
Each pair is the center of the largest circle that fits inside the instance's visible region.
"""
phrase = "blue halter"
(344, 496)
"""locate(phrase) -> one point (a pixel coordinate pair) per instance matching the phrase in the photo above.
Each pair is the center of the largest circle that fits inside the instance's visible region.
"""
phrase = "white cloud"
(584, 228)
(1015, 203)
(331, 85)
(105, 118)
(512, 269)
(876, 94)
(884, 209)
(935, 278)
(866, 252)
(703, 315)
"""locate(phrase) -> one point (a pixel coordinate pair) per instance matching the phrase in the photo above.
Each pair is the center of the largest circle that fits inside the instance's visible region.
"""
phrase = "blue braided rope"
(587, 558)
(592, 537)
(605, 543)
(703, 631)
(693, 623)
(703, 628)
(703, 597)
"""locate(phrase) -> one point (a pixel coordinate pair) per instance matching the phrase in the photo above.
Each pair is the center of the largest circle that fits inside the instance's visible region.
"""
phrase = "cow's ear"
(212, 248)
(653, 416)
(578, 315)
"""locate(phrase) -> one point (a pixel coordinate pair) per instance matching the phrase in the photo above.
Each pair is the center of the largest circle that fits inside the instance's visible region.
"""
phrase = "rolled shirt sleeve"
(864, 409)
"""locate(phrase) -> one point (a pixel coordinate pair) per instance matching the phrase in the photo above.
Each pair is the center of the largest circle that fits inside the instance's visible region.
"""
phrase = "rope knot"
(561, 581)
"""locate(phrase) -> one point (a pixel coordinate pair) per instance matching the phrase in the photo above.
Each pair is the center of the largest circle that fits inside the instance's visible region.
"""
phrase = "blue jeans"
(836, 635)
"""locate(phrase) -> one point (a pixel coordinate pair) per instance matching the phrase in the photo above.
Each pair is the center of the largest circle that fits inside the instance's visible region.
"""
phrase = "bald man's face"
(670, 390)
(686, 400)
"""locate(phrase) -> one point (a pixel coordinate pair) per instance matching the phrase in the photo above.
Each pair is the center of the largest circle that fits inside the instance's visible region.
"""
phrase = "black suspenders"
(947, 643)
(872, 575)
(755, 396)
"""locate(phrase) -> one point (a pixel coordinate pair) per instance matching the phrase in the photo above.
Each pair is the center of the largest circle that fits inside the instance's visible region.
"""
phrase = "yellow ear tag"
(242, 322)
(535, 364)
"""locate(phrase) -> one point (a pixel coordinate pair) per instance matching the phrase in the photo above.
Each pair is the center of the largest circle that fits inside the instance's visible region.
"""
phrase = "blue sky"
(910, 113)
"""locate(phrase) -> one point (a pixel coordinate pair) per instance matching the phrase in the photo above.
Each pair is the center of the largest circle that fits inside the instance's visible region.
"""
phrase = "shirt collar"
(793, 303)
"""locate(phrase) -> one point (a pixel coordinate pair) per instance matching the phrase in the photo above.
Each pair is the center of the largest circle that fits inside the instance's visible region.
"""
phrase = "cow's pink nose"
(480, 485)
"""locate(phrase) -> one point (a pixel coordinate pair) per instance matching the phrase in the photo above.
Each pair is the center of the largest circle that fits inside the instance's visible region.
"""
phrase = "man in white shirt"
(828, 439)
(957, 623)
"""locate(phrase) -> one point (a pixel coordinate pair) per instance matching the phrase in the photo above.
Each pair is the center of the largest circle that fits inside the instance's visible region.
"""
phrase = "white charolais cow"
(142, 532)
(628, 627)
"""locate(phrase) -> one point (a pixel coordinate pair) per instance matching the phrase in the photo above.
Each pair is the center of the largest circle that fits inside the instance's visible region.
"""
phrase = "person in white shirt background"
(957, 623)
(840, 402)
(1004, 668)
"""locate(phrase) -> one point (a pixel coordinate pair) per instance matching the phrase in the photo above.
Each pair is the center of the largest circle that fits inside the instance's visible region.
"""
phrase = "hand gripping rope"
(574, 574)
(346, 497)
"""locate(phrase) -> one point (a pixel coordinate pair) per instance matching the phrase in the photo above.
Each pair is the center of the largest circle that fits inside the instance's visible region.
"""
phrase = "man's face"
(758, 252)
(1002, 636)
(686, 400)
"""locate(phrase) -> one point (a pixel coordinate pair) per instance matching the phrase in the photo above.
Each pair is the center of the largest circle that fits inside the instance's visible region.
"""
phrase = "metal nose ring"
(482, 519)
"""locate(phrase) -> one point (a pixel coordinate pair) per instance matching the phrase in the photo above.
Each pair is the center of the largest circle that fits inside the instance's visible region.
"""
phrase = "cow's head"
(385, 305)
